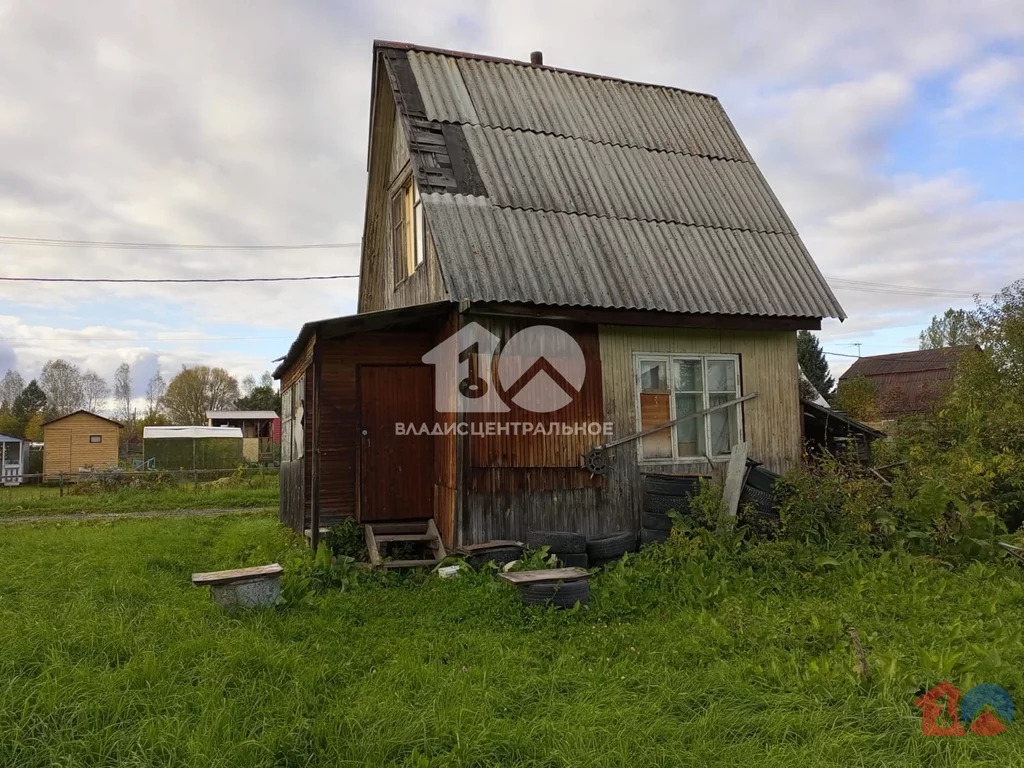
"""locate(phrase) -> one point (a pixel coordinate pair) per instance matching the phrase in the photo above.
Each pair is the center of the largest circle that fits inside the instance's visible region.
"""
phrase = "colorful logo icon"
(979, 707)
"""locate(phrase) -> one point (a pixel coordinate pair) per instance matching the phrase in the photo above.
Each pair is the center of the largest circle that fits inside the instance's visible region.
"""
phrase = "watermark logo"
(540, 369)
(983, 709)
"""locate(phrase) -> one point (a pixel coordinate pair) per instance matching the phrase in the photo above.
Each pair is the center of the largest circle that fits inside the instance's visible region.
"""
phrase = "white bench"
(243, 587)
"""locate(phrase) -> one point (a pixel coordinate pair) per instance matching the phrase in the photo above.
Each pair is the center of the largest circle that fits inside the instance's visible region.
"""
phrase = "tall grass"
(253, 489)
(108, 656)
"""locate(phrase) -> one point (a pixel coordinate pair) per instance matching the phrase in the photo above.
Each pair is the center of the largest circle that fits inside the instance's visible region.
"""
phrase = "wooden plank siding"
(67, 447)
(771, 421)
(295, 481)
(389, 165)
(515, 483)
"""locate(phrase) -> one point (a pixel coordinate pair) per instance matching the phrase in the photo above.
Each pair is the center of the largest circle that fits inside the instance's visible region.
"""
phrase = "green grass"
(250, 492)
(109, 657)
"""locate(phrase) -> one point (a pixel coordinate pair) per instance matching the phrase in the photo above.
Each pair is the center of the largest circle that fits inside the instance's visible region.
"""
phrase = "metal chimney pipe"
(537, 58)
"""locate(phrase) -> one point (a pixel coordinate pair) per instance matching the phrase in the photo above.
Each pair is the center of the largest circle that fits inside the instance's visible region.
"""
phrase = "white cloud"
(206, 122)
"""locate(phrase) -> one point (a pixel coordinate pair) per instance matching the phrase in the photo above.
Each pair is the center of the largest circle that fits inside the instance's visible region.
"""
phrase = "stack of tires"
(663, 493)
(609, 547)
(570, 548)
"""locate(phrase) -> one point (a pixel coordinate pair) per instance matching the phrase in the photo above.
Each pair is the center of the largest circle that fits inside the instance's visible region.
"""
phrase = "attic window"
(408, 230)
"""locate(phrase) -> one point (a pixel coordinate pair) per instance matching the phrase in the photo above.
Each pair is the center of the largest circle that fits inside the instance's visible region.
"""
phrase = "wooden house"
(79, 442)
(512, 206)
(261, 431)
(908, 383)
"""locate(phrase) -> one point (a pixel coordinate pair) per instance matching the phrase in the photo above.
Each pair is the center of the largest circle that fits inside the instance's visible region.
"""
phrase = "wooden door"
(396, 471)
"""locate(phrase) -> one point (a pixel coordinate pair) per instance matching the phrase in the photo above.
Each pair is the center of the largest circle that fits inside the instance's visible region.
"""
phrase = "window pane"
(653, 376)
(723, 425)
(655, 409)
(418, 218)
(689, 434)
(688, 376)
(722, 376)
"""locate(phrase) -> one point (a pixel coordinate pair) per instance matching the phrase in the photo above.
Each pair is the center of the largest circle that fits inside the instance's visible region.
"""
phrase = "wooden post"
(62, 484)
(195, 474)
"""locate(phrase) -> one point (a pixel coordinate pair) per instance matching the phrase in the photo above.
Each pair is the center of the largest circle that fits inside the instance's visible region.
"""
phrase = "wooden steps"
(423, 532)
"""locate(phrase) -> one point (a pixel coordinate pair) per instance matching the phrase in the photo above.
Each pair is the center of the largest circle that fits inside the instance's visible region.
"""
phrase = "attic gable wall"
(389, 165)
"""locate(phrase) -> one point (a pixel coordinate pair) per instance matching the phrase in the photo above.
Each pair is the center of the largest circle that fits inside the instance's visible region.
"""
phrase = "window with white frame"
(670, 386)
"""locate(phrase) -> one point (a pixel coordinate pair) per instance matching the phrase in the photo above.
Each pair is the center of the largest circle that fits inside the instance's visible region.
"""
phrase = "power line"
(134, 339)
(174, 279)
(904, 290)
(127, 245)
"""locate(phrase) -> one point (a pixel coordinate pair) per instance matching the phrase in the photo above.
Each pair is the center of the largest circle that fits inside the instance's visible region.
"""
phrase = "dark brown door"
(396, 471)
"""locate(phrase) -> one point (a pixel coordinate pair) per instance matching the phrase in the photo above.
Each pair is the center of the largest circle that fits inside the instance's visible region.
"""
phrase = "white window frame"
(669, 359)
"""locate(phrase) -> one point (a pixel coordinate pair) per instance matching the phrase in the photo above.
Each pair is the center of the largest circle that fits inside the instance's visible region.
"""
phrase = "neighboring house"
(13, 457)
(907, 383)
(506, 199)
(261, 431)
(80, 441)
(175, 448)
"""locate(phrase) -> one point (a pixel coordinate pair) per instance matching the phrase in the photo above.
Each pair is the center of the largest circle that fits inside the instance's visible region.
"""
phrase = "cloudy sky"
(892, 132)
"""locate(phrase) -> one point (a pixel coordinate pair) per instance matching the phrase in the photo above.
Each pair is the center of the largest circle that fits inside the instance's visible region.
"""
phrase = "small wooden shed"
(80, 441)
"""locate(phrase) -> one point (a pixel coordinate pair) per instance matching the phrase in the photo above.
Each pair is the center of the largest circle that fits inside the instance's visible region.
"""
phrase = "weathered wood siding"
(67, 447)
(514, 483)
(771, 421)
(295, 501)
(389, 161)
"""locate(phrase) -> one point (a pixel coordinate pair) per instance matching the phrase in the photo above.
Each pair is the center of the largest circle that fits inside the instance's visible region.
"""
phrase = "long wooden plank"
(238, 574)
(551, 574)
(470, 549)
(734, 478)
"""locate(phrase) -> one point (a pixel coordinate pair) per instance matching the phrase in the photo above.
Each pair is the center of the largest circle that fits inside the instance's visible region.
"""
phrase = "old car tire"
(557, 542)
(499, 555)
(653, 536)
(561, 594)
(656, 521)
(611, 546)
(574, 561)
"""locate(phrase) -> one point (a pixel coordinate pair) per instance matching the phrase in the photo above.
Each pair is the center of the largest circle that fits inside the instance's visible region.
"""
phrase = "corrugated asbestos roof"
(551, 187)
(547, 173)
(508, 254)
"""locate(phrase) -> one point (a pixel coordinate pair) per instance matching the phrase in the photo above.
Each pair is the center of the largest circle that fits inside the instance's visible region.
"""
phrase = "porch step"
(424, 532)
(409, 563)
(403, 537)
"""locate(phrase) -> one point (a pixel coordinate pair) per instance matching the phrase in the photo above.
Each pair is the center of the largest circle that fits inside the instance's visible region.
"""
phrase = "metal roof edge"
(361, 322)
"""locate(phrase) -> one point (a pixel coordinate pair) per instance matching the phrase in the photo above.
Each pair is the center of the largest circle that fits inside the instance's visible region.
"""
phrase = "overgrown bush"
(347, 539)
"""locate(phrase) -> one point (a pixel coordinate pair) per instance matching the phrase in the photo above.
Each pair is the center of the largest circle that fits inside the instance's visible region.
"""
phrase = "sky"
(893, 134)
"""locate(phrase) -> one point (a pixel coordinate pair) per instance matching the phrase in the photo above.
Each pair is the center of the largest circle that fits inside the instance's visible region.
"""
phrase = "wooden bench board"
(236, 575)
(472, 549)
(550, 574)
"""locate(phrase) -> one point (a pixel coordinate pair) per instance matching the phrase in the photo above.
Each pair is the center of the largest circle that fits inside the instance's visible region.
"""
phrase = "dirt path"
(64, 517)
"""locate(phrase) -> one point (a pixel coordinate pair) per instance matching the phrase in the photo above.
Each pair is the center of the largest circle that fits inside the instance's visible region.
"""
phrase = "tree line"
(63, 387)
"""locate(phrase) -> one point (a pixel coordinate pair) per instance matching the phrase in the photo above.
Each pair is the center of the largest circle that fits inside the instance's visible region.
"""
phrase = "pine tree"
(813, 363)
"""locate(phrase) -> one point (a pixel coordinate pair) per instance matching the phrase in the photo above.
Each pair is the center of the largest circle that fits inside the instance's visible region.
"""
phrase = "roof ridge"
(554, 134)
(394, 44)
(533, 209)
